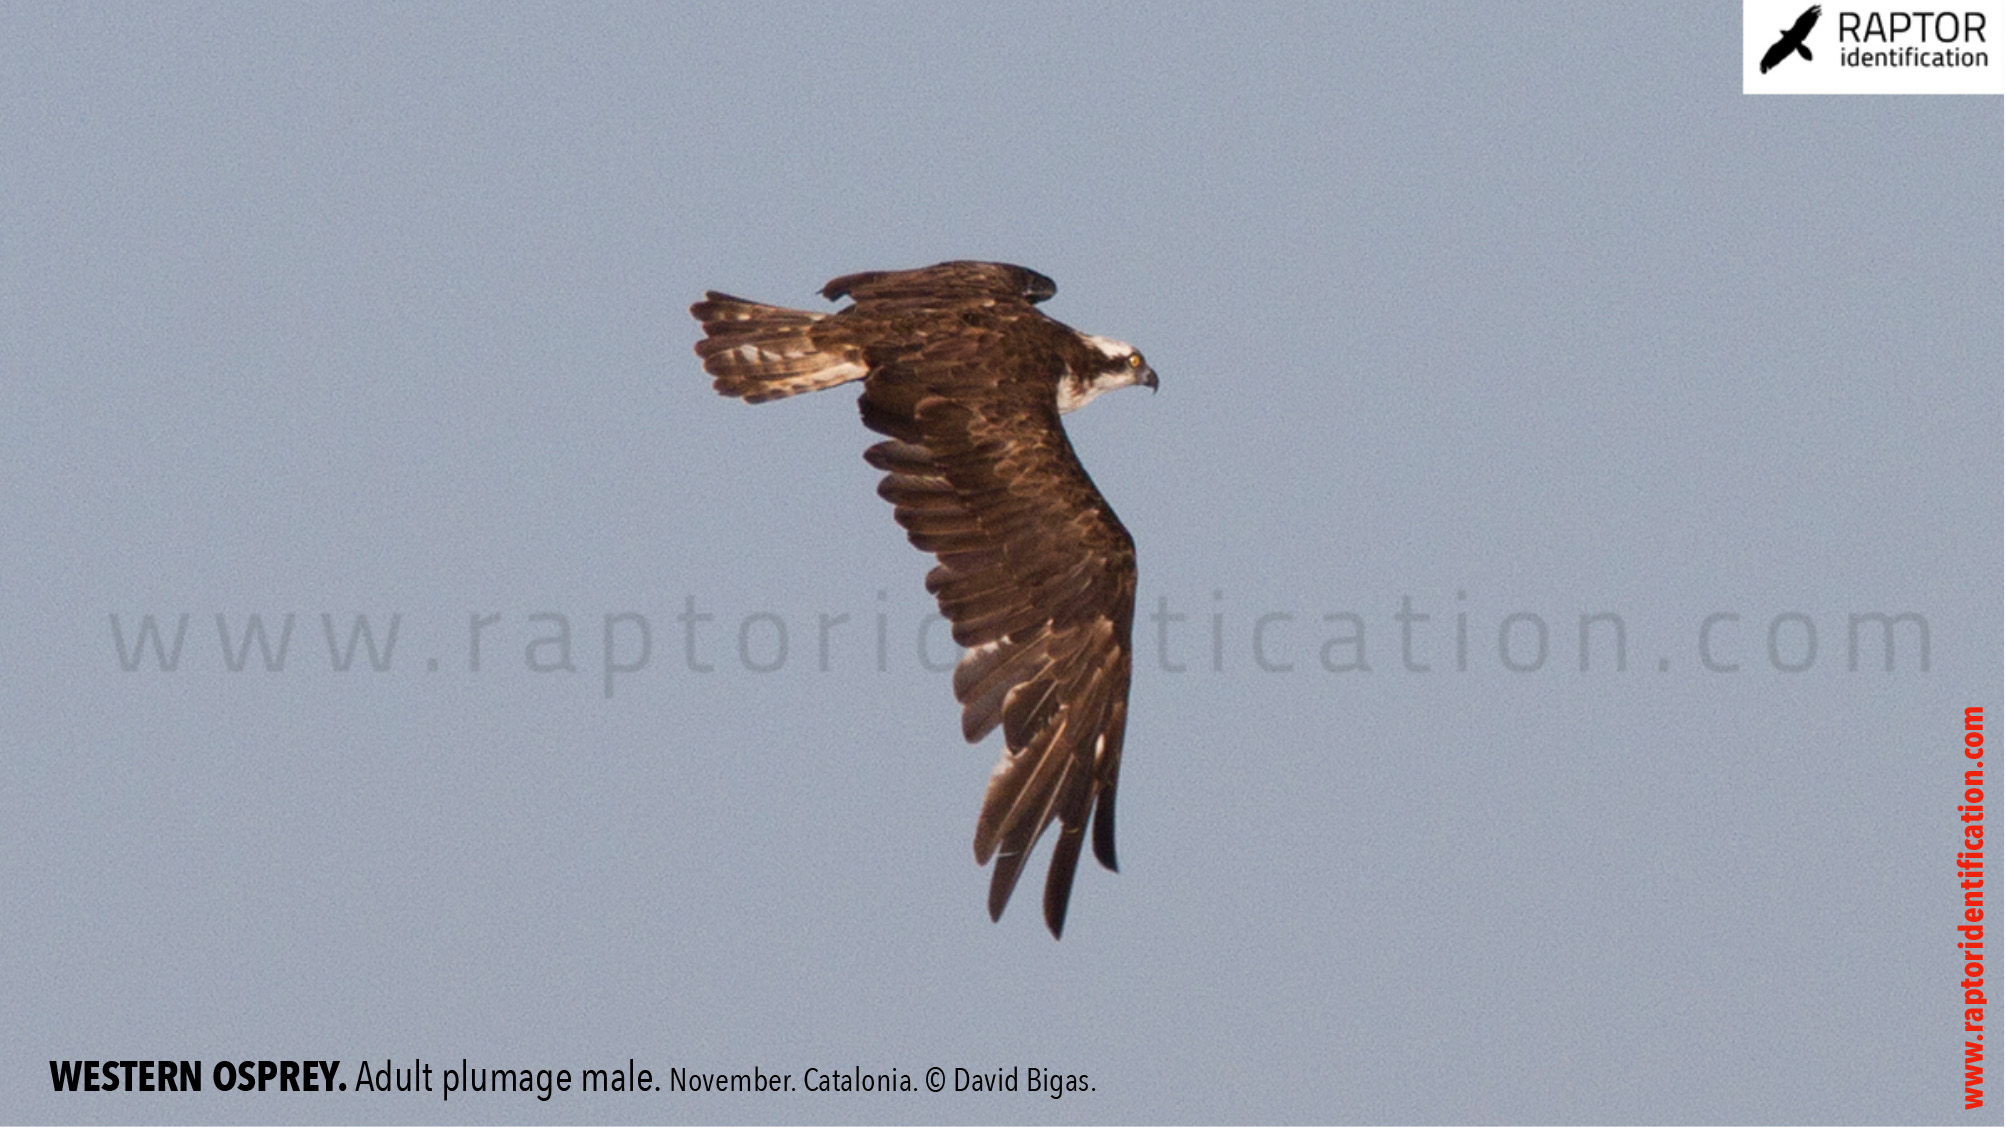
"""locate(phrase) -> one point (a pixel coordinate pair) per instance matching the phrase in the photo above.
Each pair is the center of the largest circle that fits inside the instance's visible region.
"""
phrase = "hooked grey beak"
(1148, 379)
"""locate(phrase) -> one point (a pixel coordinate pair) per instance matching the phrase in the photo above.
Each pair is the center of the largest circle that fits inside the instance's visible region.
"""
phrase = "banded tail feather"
(758, 352)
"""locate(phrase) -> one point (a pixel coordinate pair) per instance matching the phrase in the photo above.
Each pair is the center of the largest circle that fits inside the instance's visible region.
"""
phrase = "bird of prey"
(968, 379)
(1793, 40)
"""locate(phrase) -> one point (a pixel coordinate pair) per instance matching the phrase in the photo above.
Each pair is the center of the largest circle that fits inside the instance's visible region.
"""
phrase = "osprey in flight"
(1793, 39)
(968, 379)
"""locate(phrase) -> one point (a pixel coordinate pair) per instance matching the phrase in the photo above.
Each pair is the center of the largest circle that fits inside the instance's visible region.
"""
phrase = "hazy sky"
(1522, 319)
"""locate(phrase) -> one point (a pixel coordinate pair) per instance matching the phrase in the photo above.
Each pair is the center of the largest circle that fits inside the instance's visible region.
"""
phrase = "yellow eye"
(1135, 360)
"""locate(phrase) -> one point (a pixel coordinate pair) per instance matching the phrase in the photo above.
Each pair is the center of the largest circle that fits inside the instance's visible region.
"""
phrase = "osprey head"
(1112, 364)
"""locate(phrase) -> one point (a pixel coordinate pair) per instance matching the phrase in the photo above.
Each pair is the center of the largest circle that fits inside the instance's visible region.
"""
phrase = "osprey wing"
(1036, 573)
(957, 281)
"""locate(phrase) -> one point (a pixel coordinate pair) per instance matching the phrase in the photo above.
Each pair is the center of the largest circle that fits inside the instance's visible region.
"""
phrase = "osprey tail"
(759, 352)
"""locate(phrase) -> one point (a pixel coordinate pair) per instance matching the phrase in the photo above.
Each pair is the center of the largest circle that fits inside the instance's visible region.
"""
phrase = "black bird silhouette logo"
(1793, 40)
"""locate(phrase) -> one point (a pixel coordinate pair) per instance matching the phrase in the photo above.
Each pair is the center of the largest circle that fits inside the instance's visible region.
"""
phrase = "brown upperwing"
(1036, 574)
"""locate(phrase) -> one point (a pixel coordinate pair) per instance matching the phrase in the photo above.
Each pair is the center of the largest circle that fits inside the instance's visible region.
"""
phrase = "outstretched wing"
(1036, 573)
(960, 280)
(1776, 53)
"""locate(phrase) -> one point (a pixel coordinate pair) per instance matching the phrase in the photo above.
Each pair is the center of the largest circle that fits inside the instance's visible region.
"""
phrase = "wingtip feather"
(1059, 879)
(1003, 882)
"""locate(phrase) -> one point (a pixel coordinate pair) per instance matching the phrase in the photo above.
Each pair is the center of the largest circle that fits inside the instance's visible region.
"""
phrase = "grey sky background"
(1503, 310)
